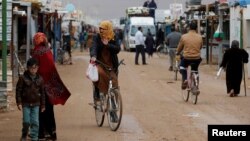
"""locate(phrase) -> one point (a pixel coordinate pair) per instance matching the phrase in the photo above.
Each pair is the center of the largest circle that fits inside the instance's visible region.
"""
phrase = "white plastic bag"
(219, 72)
(92, 72)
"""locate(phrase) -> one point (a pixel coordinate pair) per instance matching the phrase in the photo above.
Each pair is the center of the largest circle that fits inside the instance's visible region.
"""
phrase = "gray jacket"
(173, 39)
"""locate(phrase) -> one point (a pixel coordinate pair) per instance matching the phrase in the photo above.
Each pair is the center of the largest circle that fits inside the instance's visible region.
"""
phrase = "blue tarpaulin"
(241, 2)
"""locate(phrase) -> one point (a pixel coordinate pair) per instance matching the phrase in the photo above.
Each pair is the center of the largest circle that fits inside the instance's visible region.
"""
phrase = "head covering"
(40, 39)
(106, 30)
(235, 44)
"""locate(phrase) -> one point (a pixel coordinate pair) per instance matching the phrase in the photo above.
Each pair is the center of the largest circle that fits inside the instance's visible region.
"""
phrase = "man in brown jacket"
(190, 44)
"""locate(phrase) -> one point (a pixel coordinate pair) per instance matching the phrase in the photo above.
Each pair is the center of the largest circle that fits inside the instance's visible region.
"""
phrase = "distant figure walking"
(233, 61)
(172, 41)
(152, 5)
(146, 3)
(139, 47)
(150, 43)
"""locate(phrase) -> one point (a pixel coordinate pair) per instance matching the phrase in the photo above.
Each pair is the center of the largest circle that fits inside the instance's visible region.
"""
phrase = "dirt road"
(152, 103)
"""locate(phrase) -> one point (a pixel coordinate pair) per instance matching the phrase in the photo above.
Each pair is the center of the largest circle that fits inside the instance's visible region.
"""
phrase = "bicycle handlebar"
(109, 67)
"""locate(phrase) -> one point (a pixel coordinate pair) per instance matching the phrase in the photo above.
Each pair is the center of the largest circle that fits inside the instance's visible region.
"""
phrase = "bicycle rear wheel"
(194, 98)
(114, 113)
(195, 91)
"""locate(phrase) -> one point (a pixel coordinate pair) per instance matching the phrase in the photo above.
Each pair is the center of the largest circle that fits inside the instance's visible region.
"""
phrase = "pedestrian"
(105, 49)
(233, 61)
(152, 6)
(85, 37)
(29, 97)
(55, 91)
(67, 45)
(172, 41)
(90, 38)
(81, 40)
(150, 43)
(146, 3)
(160, 37)
(139, 46)
(190, 45)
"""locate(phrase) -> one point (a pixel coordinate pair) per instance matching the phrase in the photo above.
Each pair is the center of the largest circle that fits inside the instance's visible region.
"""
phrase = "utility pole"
(3, 83)
(207, 38)
(4, 40)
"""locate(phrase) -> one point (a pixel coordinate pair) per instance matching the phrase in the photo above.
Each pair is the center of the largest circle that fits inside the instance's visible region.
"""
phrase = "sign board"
(8, 20)
(162, 14)
(176, 10)
(139, 11)
(222, 1)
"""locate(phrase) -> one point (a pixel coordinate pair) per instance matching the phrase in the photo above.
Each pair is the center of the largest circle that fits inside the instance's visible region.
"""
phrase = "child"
(29, 96)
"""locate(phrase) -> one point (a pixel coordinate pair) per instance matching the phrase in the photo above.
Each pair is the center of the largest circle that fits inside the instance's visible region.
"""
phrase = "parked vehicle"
(135, 17)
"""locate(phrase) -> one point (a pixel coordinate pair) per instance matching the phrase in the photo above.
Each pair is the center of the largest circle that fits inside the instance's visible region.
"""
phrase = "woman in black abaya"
(233, 60)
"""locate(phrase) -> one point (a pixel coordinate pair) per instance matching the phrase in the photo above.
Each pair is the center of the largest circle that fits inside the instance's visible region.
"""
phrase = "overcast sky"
(110, 9)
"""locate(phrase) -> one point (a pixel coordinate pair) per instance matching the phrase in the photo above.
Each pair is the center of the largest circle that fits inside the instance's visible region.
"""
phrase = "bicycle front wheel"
(99, 112)
(114, 113)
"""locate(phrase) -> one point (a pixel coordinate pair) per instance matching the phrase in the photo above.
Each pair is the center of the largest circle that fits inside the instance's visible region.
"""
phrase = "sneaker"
(184, 84)
(41, 137)
(98, 105)
(97, 102)
(114, 117)
(23, 139)
(170, 68)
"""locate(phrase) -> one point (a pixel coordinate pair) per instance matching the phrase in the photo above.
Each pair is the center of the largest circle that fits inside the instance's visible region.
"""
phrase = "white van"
(147, 23)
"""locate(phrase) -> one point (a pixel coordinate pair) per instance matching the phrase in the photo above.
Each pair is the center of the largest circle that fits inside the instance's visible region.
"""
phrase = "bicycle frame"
(193, 86)
(111, 102)
(193, 77)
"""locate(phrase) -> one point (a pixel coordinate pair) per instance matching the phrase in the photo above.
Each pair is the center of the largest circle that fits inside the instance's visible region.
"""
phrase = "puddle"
(192, 114)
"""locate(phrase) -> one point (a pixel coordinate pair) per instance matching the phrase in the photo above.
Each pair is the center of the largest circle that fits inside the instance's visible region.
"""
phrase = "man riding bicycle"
(191, 44)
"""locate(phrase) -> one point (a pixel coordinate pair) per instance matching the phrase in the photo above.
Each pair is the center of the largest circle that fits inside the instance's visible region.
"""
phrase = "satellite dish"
(70, 7)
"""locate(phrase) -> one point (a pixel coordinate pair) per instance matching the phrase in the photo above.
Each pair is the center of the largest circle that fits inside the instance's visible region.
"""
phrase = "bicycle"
(162, 50)
(110, 103)
(63, 56)
(19, 65)
(193, 86)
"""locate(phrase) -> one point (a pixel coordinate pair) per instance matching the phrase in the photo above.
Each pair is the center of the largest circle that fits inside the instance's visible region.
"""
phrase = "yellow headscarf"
(106, 30)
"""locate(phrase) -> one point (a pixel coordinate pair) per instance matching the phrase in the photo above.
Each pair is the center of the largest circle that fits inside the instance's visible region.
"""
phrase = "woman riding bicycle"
(191, 44)
(105, 48)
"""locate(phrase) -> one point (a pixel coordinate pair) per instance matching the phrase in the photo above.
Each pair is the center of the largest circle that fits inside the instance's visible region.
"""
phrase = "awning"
(35, 3)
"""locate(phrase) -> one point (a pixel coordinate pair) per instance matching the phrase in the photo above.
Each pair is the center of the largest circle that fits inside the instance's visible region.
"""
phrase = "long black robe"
(233, 60)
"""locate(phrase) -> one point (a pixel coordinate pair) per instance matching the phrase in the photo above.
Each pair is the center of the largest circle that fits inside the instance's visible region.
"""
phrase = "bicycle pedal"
(92, 104)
